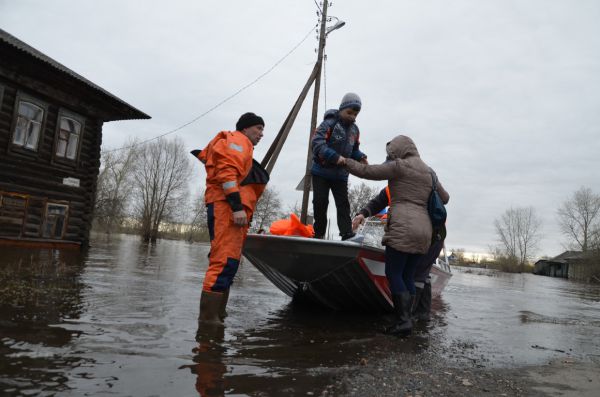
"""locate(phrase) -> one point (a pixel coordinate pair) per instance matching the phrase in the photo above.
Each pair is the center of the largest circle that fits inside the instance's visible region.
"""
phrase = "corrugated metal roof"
(11, 40)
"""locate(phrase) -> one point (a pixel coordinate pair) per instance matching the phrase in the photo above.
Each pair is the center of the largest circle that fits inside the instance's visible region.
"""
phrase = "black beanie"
(248, 120)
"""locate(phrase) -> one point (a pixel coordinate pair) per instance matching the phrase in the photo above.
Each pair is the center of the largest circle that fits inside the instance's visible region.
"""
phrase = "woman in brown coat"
(408, 230)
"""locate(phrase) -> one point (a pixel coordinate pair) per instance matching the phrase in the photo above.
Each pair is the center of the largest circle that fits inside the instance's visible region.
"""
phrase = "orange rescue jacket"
(230, 169)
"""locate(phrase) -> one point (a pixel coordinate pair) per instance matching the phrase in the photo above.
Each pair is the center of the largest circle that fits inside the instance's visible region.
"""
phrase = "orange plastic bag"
(291, 227)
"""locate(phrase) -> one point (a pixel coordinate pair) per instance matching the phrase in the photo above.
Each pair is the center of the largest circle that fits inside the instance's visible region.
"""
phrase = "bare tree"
(359, 196)
(114, 187)
(297, 209)
(459, 254)
(502, 261)
(268, 209)
(198, 223)
(579, 219)
(518, 230)
(161, 176)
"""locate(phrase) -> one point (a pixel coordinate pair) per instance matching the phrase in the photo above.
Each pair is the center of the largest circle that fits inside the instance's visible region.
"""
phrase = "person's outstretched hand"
(357, 221)
(341, 161)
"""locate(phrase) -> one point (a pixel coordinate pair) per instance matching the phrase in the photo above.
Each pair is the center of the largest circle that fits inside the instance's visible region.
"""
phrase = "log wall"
(38, 176)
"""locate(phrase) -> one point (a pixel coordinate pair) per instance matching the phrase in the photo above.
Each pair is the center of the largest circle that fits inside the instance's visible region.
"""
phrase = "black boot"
(419, 292)
(422, 309)
(402, 306)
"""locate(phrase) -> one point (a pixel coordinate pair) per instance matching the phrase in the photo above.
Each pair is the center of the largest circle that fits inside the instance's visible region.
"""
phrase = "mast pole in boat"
(272, 155)
(313, 120)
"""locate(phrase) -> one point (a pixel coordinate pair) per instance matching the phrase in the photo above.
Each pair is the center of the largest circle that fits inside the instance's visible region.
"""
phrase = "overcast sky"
(501, 97)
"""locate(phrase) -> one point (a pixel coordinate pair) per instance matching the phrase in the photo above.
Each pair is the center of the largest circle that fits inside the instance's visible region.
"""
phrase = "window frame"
(25, 197)
(37, 102)
(62, 112)
(45, 222)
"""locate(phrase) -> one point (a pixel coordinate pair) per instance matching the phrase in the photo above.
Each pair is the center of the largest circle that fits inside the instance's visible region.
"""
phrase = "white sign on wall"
(71, 182)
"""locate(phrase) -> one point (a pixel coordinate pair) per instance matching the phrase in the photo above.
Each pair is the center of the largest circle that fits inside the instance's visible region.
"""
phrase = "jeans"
(427, 261)
(400, 270)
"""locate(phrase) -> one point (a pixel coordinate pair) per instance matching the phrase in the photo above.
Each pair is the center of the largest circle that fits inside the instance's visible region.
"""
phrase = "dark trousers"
(400, 270)
(321, 187)
(427, 261)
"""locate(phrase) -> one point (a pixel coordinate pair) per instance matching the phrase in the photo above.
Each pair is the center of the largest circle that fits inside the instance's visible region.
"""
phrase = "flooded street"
(121, 319)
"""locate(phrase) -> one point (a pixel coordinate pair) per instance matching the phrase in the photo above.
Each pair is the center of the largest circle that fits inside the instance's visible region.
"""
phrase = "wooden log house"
(50, 135)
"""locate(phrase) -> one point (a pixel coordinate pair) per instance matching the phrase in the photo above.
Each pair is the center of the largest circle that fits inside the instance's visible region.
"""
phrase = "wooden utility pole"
(315, 109)
(273, 153)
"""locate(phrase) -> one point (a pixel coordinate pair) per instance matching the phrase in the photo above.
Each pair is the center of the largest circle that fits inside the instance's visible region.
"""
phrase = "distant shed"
(569, 264)
(50, 135)
(546, 267)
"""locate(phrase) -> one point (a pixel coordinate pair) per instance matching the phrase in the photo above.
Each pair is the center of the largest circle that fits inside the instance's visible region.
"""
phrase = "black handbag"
(435, 205)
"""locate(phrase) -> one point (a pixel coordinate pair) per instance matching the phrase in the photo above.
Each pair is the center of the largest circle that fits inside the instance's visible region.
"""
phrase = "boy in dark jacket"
(338, 135)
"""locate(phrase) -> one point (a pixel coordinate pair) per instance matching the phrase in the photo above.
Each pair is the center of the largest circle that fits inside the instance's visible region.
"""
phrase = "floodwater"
(121, 319)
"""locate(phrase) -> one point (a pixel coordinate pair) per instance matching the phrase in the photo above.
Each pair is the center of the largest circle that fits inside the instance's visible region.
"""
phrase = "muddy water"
(121, 319)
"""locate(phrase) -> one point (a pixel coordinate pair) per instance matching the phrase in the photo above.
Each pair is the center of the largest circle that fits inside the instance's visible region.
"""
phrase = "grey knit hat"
(351, 100)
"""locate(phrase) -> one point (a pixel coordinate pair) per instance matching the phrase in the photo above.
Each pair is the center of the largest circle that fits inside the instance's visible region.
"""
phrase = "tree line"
(143, 186)
(144, 189)
(519, 230)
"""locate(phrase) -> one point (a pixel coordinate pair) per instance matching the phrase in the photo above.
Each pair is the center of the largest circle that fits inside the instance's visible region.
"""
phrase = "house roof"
(568, 255)
(126, 111)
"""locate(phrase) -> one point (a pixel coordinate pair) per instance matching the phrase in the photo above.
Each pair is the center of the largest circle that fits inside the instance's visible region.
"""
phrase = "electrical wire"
(220, 103)
(318, 6)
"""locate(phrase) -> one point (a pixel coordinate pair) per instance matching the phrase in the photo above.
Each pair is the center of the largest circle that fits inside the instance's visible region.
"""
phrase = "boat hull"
(336, 274)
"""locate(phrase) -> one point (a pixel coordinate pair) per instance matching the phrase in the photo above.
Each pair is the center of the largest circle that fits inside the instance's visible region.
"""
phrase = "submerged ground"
(121, 319)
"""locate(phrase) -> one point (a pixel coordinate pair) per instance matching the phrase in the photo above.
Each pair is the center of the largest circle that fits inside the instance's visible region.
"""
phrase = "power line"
(222, 102)
(318, 6)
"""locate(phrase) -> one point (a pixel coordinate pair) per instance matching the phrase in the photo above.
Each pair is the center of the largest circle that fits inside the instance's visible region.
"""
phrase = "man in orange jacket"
(234, 183)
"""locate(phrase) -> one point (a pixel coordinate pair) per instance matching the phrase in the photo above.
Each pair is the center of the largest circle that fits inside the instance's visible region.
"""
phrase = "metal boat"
(339, 275)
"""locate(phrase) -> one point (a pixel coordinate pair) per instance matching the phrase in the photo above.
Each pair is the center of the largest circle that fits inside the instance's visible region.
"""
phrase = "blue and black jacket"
(331, 140)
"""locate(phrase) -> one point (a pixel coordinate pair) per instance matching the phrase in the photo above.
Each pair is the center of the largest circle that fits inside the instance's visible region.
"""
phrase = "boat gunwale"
(360, 248)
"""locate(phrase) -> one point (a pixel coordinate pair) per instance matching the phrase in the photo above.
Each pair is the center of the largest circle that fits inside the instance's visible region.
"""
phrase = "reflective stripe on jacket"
(227, 160)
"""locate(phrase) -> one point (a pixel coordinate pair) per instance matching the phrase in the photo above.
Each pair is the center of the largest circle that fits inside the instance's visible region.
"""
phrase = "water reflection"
(97, 322)
(294, 350)
(510, 316)
(40, 289)
(209, 367)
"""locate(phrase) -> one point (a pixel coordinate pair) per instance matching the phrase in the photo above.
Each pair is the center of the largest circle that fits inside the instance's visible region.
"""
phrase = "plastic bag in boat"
(291, 227)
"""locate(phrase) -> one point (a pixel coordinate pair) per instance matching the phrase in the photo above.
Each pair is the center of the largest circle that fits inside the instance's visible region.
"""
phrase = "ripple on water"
(126, 311)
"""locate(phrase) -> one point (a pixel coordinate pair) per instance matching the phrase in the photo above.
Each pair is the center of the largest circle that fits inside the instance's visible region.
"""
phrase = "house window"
(13, 211)
(69, 133)
(56, 220)
(29, 125)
